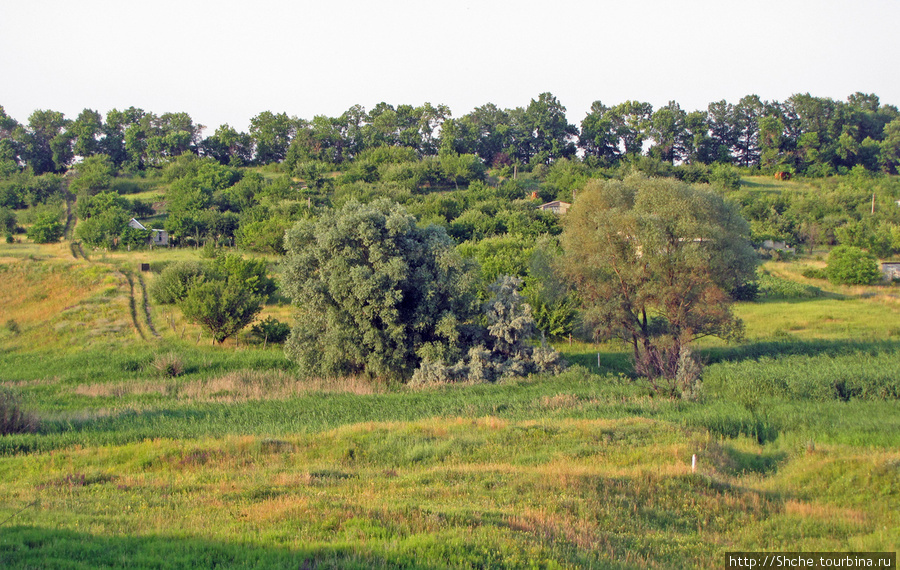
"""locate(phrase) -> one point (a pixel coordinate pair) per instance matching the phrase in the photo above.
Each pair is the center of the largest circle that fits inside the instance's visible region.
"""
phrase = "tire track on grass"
(146, 304)
(132, 303)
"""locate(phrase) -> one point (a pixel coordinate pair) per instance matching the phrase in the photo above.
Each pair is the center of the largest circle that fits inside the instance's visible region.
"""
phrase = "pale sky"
(225, 61)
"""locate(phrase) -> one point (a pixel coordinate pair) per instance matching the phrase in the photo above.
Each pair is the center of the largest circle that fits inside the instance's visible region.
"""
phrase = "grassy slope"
(237, 463)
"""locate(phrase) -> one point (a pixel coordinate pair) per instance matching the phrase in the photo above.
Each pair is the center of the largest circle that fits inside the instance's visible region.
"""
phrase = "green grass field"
(238, 462)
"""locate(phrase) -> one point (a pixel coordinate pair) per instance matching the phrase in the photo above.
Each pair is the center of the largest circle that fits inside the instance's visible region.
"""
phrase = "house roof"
(139, 226)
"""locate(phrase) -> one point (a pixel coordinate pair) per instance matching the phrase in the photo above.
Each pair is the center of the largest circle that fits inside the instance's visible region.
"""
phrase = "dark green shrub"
(848, 265)
(12, 326)
(221, 308)
(814, 273)
(174, 282)
(46, 229)
(271, 330)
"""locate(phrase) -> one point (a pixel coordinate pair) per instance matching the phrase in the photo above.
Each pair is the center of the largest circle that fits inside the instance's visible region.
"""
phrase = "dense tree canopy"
(654, 262)
(804, 134)
(374, 291)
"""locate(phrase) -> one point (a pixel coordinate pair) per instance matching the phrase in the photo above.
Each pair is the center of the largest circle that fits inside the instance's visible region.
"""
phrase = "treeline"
(499, 164)
(808, 135)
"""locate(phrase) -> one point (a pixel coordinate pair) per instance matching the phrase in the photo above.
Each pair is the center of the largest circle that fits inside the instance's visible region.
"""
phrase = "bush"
(173, 284)
(725, 176)
(271, 330)
(848, 265)
(12, 418)
(221, 308)
(46, 229)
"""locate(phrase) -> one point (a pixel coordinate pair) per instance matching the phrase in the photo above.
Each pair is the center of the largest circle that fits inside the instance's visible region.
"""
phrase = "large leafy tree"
(599, 137)
(272, 135)
(375, 293)
(44, 143)
(654, 261)
(551, 133)
(667, 129)
(631, 121)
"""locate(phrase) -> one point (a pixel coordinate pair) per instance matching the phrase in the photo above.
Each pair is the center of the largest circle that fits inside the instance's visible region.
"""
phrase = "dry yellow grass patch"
(280, 508)
(238, 386)
(826, 513)
(244, 385)
(28, 297)
(117, 390)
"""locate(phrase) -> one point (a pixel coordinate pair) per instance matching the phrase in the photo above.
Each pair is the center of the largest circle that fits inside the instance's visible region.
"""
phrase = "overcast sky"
(224, 61)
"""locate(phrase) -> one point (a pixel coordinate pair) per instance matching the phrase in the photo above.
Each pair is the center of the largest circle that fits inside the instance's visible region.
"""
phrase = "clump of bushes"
(814, 273)
(849, 265)
(13, 418)
(506, 351)
(773, 287)
(271, 330)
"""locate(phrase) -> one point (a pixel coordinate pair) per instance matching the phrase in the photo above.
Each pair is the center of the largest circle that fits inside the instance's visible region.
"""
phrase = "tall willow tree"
(374, 293)
(654, 261)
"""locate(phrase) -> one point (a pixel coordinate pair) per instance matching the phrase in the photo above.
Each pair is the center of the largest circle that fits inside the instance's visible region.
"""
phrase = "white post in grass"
(694, 463)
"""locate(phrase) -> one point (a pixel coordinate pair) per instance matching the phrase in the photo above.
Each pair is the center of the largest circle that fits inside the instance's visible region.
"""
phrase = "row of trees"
(806, 134)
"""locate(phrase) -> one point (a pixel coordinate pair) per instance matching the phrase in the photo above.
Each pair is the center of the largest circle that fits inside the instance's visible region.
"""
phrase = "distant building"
(890, 270)
(157, 237)
(779, 245)
(556, 207)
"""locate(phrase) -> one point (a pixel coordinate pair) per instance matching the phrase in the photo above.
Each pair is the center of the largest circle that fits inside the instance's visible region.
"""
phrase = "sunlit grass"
(238, 461)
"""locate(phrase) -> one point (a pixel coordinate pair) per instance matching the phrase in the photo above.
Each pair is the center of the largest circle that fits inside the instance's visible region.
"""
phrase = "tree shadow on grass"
(37, 547)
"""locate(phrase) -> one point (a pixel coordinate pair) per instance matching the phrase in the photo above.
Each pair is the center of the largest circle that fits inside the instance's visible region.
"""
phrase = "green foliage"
(814, 273)
(109, 228)
(848, 265)
(25, 189)
(47, 228)
(773, 287)
(174, 282)
(726, 176)
(372, 289)
(553, 303)
(8, 221)
(506, 352)
(223, 308)
(653, 261)
(271, 330)
(93, 174)
(249, 274)
(263, 236)
(499, 255)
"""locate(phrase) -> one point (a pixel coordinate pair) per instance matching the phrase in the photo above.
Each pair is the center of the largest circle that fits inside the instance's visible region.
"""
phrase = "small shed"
(556, 207)
(777, 245)
(891, 270)
(157, 236)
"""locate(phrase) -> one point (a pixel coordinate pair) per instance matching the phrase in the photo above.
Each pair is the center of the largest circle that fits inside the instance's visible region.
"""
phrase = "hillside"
(235, 461)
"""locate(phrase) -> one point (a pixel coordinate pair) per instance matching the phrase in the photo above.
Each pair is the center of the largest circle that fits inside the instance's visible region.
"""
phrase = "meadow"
(159, 450)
